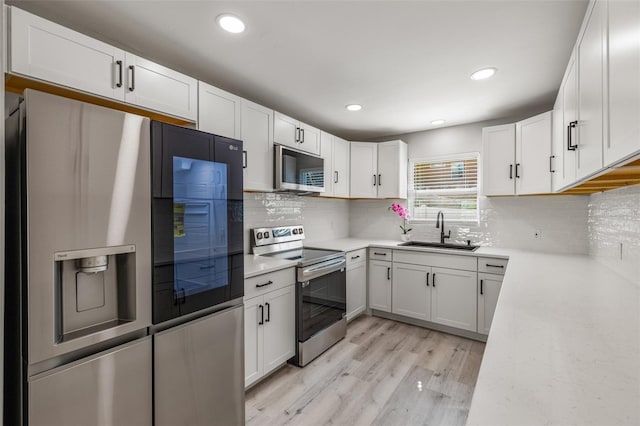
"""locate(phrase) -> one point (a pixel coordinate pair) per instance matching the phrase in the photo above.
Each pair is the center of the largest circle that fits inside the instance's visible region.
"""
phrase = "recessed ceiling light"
(483, 73)
(230, 23)
(437, 122)
(354, 107)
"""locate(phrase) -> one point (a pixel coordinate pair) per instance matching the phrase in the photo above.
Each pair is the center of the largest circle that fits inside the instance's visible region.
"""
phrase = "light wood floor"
(383, 373)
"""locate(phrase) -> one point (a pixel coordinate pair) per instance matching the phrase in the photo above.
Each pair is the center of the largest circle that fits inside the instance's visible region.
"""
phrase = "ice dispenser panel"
(95, 290)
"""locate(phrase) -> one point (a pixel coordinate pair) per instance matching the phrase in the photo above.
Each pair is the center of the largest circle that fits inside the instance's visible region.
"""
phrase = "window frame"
(411, 192)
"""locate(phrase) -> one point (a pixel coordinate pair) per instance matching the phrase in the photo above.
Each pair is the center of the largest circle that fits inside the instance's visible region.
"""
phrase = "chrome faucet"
(442, 236)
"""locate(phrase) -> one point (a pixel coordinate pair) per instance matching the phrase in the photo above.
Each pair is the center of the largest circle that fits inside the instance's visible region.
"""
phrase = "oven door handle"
(323, 269)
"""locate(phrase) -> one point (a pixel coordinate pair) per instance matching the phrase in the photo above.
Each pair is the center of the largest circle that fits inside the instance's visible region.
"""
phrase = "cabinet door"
(198, 371)
(557, 145)
(488, 291)
(356, 289)
(533, 155)
(364, 170)
(150, 85)
(253, 340)
(392, 169)
(309, 139)
(218, 111)
(341, 167)
(569, 115)
(453, 298)
(50, 52)
(591, 63)
(624, 81)
(411, 291)
(380, 285)
(498, 160)
(286, 130)
(257, 142)
(326, 152)
(279, 327)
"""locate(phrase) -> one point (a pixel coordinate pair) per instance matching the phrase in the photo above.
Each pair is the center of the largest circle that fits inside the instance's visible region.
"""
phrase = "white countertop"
(256, 265)
(564, 346)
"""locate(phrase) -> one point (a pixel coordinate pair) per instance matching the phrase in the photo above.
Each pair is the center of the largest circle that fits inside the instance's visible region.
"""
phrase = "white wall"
(323, 218)
(614, 219)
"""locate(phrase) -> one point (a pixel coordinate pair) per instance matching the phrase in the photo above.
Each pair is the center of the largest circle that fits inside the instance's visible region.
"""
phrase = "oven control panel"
(281, 234)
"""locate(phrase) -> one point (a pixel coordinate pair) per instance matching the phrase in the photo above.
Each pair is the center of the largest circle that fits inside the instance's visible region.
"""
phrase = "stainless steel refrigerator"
(78, 282)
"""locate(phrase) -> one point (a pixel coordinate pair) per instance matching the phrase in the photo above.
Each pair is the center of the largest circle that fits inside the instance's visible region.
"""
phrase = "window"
(449, 184)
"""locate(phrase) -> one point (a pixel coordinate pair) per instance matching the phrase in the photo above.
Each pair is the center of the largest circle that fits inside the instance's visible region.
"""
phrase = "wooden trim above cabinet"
(615, 177)
(18, 84)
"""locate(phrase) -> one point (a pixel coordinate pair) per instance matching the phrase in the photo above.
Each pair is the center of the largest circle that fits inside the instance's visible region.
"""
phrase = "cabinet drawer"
(260, 284)
(356, 256)
(451, 261)
(380, 254)
(491, 265)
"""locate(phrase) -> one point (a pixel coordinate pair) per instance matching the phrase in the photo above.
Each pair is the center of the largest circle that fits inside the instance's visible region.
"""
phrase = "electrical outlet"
(537, 234)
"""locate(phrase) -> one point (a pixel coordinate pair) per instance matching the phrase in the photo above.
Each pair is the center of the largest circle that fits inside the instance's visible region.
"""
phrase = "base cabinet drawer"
(261, 284)
(492, 265)
(380, 254)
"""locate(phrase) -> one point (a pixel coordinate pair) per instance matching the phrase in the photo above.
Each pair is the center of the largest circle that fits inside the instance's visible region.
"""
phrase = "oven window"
(323, 303)
(199, 225)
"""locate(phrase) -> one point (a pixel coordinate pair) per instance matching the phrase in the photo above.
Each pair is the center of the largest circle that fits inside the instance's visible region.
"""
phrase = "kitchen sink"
(446, 246)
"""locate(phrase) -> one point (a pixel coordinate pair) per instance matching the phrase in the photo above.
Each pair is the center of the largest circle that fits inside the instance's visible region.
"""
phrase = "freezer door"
(111, 388)
(199, 371)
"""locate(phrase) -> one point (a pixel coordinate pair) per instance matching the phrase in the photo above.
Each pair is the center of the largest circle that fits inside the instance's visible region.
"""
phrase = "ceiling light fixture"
(230, 23)
(483, 73)
(354, 107)
(437, 122)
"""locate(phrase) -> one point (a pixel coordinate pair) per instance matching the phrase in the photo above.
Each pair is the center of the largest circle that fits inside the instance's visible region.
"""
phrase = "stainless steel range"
(320, 288)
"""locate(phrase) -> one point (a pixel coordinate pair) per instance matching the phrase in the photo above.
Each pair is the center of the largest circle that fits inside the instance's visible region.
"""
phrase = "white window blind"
(444, 184)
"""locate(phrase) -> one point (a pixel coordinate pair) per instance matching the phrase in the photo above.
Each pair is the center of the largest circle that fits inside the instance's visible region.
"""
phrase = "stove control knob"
(259, 235)
(300, 231)
(266, 235)
(295, 231)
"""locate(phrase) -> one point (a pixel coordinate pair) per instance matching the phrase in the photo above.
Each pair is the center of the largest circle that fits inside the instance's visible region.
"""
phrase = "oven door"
(321, 302)
(196, 220)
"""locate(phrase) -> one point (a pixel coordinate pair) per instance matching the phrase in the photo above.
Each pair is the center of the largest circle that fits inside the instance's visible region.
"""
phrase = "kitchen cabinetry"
(46, 51)
(295, 134)
(257, 142)
(378, 170)
(335, 152)
(380, 279)
(624, 83)
(356, 283)
(269, 326)
(490, 275)
(219, 112)
(517, 157)
(431, 293)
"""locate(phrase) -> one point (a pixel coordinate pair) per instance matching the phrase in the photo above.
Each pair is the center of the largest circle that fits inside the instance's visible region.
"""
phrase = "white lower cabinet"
(380, 285)
(488, 290)
(356, 283)
(411, 292)
(269, 329)
(453, 298)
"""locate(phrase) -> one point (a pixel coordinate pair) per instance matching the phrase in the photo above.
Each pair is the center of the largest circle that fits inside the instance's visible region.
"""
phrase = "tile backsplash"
(508, 222)
(322, 218)
(614, 230)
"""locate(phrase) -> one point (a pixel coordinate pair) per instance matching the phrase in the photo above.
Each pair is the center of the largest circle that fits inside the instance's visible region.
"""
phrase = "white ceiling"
(407, 62)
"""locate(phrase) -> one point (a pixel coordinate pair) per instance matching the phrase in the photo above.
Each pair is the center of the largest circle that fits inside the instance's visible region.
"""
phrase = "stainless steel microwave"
(296, 171)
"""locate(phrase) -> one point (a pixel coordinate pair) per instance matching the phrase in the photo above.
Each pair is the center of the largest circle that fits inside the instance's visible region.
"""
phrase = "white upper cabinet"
(498, 160)
(624, 81)
(326, 152)
(591, 83)
(218, 111)
(378, 170)
(533, 155)
(516, 158)
(295, 134)
(49, 52)
(341, 168)
(257, 143)
(159, 88)
(569, 92)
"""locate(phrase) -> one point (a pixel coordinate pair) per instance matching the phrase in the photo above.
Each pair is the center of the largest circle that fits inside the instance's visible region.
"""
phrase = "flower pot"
(405, 237)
